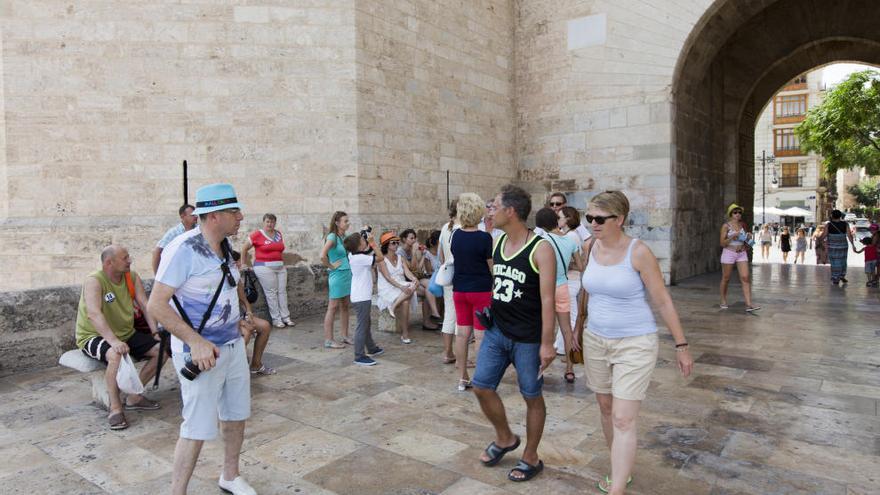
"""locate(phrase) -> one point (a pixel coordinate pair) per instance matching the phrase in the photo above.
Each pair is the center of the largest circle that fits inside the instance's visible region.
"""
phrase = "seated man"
(105, 328)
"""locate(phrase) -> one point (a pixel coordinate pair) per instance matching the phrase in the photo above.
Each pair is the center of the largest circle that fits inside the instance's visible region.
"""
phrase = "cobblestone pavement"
(782, 402)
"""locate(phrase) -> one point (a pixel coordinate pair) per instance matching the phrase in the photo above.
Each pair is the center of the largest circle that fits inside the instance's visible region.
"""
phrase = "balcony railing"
(791, 181)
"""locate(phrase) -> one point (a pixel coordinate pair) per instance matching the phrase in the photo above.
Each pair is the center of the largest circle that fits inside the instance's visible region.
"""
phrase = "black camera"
(485, 318)
(190, 370)
(365, 232)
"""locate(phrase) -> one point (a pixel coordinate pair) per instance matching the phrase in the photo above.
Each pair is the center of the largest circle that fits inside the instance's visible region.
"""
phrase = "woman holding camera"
(734, 236)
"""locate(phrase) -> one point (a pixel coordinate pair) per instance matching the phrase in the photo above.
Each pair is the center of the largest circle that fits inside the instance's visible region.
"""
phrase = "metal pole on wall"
(763, 187)
(185, 184)
(447, 189)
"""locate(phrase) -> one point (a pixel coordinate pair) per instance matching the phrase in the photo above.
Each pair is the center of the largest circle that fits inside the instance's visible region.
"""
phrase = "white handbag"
(447, 269)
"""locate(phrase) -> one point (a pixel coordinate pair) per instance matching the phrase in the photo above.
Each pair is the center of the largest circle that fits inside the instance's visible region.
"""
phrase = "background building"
(793, 176)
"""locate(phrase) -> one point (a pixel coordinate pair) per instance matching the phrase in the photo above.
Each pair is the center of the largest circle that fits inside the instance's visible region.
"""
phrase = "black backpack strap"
(561, 258)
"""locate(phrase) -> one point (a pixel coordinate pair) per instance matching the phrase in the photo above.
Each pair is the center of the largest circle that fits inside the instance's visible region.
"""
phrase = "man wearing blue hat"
(198, 276)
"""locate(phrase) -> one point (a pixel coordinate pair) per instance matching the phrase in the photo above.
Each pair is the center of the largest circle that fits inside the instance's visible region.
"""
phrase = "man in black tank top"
(524, 287)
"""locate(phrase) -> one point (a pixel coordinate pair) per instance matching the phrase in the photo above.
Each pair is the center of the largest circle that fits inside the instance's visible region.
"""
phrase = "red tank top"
(267, 249)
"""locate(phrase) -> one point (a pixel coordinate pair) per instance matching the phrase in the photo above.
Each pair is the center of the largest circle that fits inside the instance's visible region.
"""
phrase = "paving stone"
(323, 426)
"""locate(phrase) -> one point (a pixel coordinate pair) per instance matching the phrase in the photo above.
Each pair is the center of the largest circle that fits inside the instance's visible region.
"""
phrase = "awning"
(794, 211)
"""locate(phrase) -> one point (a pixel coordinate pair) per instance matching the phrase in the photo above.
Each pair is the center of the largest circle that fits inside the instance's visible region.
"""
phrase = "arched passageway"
(737, 56)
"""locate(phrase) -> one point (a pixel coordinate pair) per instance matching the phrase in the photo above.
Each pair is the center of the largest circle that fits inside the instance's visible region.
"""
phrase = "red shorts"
(468, 303)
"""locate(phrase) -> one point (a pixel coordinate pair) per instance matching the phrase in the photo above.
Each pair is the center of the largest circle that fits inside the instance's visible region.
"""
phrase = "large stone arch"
(736, 57)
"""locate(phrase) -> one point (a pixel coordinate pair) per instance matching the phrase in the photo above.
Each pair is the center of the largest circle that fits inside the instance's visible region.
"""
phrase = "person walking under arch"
(733, 236)
(620, 341)
(838, 236)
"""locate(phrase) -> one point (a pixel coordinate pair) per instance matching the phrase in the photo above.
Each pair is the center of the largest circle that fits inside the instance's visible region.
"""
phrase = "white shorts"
(223, 392)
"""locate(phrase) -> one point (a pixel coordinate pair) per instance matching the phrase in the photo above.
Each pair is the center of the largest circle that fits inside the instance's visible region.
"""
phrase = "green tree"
(866, 192)
(845, 127)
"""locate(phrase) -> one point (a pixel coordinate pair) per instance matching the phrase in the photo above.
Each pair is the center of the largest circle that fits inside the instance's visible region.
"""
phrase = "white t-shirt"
(193, 270)
(496, 233)
(361, 276)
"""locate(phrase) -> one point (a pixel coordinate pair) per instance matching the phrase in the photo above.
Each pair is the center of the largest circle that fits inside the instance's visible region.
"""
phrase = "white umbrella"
(770, 211)
(794, 211)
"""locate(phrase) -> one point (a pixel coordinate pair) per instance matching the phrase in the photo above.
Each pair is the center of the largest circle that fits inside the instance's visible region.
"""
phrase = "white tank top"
(617, 305)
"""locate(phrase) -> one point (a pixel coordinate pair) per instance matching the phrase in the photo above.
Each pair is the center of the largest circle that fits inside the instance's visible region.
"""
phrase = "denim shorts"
(497, 352)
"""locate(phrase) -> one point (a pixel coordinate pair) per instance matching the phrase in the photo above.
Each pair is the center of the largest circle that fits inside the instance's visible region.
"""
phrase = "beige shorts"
(620, 367)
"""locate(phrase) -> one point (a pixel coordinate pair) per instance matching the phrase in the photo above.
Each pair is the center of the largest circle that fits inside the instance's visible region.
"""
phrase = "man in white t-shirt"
(487, 224)
(188, 221)
(198, 273)
(556, 202)
(362, 255)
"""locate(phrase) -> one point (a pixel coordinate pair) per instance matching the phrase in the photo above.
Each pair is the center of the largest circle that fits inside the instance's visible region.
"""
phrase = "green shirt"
(116, 305)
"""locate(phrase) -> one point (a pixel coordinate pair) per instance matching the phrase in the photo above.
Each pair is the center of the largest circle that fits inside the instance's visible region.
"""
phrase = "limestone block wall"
(593, 92)
(435, 94)
(101, 101)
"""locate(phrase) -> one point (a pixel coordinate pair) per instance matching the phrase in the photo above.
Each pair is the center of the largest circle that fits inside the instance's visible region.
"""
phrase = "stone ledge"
(37, 325)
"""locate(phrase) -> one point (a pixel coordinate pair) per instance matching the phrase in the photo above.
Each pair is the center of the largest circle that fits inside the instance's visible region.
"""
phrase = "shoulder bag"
(577, 357)
(447, 269)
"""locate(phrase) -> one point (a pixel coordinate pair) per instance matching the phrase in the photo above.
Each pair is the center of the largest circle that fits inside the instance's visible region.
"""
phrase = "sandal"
(405, 341)
(526, 469)
(448, 360)
(752, 308)
(348, 341)
(288, 322)
(607, 487)
(264, 370)
(723, 306)
(117, 421)
(143, 405)
(332, 344)
(497, 453)
(569, 376)
(464, 385)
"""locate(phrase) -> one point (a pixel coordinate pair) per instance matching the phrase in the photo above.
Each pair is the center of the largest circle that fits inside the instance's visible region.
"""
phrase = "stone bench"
(94, 372)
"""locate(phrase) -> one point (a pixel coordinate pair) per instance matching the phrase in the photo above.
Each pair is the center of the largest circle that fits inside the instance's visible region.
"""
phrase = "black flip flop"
(496, 453)
(527, 469)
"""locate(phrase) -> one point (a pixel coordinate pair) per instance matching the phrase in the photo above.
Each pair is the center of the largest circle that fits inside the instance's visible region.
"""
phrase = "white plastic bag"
(127, 377)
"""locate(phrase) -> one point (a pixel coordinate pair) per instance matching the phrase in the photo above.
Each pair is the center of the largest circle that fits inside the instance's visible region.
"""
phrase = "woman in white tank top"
(620, 338)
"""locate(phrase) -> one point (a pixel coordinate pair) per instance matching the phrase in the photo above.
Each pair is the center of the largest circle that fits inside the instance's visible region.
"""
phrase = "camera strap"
(224, 267)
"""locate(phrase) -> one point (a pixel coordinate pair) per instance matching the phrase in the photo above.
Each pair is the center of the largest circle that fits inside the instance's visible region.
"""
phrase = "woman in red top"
(269, 267)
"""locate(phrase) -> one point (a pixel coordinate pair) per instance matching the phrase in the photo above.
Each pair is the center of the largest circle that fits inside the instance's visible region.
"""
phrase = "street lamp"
(764, 160)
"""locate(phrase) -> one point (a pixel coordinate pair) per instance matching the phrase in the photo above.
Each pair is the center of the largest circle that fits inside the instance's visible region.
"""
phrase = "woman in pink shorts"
(734, 235)
(471, 279)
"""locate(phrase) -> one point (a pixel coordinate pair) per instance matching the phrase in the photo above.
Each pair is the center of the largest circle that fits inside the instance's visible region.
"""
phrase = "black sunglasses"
(734, 212)
(600, 220)
(553, 203)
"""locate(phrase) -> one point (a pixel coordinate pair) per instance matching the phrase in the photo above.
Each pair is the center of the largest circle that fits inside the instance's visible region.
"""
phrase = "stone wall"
(38, 325)
(103, 100)
(434, 95)
(593, 81)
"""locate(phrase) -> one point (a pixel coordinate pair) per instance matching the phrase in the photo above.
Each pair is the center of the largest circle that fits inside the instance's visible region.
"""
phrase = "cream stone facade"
(311, 106)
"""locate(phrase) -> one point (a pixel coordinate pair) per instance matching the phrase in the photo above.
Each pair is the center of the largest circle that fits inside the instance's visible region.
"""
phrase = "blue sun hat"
(215, 197)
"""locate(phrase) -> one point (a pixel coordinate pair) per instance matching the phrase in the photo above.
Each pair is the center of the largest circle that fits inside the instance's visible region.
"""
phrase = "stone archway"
(737, 56)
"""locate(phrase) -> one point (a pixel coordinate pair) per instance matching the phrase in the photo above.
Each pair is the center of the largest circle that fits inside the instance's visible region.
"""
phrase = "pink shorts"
(730, 257)
(563, 299)
(468, 303)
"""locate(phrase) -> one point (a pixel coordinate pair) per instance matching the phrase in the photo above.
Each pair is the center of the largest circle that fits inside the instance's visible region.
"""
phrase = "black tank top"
(516, 292)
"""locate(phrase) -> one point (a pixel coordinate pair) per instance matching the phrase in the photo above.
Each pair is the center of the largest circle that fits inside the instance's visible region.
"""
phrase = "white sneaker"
(238, 486)
(278, 324)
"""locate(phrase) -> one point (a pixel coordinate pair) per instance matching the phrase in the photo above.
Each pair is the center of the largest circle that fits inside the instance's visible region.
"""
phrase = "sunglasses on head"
(600, 220)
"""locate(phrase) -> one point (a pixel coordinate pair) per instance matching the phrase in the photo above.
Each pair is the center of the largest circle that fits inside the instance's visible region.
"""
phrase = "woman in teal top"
(335, 258)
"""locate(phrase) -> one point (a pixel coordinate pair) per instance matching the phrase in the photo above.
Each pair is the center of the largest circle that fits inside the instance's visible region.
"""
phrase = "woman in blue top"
(335, 258)
(564, 249)
(620, 341)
